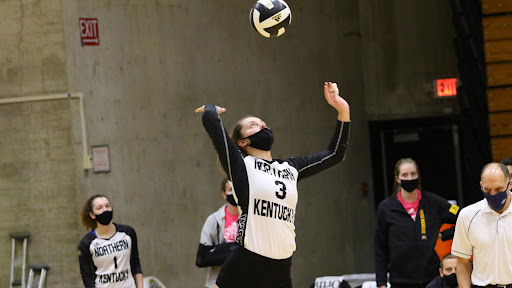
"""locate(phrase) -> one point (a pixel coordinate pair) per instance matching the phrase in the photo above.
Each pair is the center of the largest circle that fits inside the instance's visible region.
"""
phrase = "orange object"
(444, 247)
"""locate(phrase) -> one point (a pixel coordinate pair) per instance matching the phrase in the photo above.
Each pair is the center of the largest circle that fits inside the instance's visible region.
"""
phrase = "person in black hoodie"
(408, 224)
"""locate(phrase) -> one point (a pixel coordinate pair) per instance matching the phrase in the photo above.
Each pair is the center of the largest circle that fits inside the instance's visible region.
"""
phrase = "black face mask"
(105, 217)
(262, 139)
(231, 199)
(451, 280)
(409, 185)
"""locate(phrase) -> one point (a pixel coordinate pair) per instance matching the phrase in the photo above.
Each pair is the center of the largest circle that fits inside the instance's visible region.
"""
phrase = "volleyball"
(270, 17)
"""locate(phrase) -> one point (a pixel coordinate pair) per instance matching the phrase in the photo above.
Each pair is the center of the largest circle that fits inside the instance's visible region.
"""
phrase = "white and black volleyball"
(270, 17)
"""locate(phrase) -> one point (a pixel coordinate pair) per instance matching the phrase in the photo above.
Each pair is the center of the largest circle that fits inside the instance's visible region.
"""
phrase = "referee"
(484, 231)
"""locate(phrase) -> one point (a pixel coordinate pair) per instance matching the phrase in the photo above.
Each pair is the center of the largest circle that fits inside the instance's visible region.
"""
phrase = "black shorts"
(247, 269)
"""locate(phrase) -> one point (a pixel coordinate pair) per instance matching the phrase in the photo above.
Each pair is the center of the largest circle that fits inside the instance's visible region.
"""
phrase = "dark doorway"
(431, 142)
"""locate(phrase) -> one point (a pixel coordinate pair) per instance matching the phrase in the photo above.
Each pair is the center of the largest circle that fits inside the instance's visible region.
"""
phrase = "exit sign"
(446, 87)
(89, 32)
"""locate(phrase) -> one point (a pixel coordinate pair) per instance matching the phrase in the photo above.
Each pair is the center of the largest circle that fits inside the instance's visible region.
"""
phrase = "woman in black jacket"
(408, 224)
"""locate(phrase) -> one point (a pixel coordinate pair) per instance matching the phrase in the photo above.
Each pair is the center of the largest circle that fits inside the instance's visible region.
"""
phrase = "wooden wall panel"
(497, 27)
(496, 6)
(501, 148)
(498, 51)
(500, 123)
(497, 30)
(499, 74)
(499, 99)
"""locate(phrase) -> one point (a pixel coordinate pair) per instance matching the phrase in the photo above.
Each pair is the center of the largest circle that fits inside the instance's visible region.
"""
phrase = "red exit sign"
(89, 33)
(446, 87)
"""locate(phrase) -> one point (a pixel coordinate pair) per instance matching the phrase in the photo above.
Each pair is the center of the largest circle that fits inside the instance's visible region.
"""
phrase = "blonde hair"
(399, 163)
(236, 132)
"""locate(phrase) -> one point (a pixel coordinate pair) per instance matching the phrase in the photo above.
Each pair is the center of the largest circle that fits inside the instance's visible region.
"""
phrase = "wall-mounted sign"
(89, 32)
(446, 87)
(101, 159)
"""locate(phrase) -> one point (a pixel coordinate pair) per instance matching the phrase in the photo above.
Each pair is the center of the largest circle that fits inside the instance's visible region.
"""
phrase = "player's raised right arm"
(229, 155)
(220, 110)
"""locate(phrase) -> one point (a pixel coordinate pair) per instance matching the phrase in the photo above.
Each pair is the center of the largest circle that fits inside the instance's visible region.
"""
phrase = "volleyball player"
(266, 191)
(108, 254)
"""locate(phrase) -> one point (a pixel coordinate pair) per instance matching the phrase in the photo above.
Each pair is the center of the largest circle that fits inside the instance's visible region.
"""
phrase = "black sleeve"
(214, 255)
(87, 269)
(334, 154)
(229, 156)
(449, 214)
(434, 283)
(448, 233)
(381, 248)
(134, 256)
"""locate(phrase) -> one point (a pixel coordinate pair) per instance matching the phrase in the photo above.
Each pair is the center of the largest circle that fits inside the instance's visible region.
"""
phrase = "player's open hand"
(332, 96)
(220, 110)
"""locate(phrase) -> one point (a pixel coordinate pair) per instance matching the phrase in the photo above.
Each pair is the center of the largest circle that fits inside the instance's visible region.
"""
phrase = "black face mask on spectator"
(451, 280)
(231, 199)
(409, 185)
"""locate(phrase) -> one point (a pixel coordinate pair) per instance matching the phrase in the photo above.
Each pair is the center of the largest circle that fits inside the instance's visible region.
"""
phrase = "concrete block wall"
(33, 58)
(37, 184)
(37, 174)
(157, 62)
(160, 60)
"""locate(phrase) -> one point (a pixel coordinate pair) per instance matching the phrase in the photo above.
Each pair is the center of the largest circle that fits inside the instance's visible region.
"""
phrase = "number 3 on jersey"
(281, 194)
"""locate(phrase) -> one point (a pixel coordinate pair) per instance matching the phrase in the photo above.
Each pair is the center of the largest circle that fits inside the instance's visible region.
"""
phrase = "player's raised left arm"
(332, 96)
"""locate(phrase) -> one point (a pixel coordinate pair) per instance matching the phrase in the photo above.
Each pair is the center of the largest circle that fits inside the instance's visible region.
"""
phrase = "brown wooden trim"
(499, 99)
(500, 124)
(499, 74)
(496, 6)
(501, 148)
(498, 50)
(497, 27)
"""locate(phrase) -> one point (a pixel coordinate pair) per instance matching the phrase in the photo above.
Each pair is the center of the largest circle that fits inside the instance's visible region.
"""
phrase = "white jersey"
(109, 263)
(271, 212)
(266, 191)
